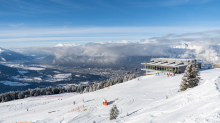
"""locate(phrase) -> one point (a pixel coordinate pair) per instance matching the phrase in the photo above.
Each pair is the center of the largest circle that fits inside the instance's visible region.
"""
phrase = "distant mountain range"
(8, 55)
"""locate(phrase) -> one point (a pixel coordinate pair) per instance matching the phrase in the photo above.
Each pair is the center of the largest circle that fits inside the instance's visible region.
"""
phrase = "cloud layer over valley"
(200, 45)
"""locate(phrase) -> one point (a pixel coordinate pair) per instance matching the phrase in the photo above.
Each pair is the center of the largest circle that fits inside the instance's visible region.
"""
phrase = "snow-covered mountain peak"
(61, 45)
(182, 46)
(117, 42)
(1, 50)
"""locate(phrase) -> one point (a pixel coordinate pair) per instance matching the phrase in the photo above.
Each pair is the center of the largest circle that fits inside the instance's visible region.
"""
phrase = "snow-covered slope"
(144, 100)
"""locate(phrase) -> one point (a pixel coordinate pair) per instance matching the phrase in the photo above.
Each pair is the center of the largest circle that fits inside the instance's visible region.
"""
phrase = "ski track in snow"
(129, 102)
(146, 96)
(99, 106)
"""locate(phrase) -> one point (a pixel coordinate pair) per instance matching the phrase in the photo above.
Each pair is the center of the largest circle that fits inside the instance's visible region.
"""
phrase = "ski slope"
(144, 100)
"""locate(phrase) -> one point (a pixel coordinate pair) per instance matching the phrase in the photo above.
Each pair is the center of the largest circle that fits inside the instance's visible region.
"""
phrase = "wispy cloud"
(22, 7)
(71, 4)
(51, 6)
(211, 37)
(20, 32)
(97, 34)
(163, 3)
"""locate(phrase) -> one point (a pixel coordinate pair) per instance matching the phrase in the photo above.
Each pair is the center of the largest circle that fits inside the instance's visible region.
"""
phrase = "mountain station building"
(169, 65)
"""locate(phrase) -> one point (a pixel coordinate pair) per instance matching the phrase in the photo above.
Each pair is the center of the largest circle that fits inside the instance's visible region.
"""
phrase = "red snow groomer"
(105, 103)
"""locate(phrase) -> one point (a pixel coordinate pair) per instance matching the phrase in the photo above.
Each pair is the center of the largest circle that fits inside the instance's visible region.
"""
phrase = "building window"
(174, 70)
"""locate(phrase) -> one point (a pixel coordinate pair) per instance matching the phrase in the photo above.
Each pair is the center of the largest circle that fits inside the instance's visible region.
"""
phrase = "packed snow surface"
(13, 83)
(62, 76)
(143, 98)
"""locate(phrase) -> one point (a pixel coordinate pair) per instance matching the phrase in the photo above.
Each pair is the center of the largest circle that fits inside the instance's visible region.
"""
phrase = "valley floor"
(143, 98)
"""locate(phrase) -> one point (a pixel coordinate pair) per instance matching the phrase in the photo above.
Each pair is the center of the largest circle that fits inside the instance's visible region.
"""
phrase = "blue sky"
(27, 23)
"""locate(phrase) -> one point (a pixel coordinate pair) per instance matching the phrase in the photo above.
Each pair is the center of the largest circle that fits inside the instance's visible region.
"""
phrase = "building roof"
(174, 59)
(164, 64)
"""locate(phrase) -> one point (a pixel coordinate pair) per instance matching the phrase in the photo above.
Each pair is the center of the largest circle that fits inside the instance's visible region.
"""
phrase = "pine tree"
(6, 99)
(134, 76)
(0, 98)
(86, 90)
(12, 95)
(94, 87)
(90, 89)
(31, 92)
(118, 80)
(74, 89)
(77, 89)
(114, 112)
(125, 79)
(115, 81)
(100, 86)
(191, 77)
(3, 99)
(108, 83)
(130, 77)
(48, 93)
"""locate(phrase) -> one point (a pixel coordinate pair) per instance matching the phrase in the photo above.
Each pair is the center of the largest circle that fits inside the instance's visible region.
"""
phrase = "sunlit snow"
(143, 99)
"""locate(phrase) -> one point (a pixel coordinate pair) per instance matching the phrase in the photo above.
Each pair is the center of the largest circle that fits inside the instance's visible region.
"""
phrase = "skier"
(73, 102)
(104, 101)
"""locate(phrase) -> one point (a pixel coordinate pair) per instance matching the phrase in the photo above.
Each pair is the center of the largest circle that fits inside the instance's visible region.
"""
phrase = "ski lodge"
(169, 65)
